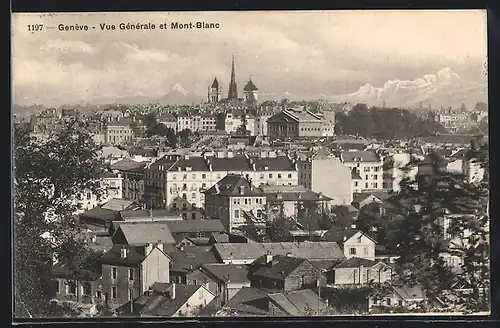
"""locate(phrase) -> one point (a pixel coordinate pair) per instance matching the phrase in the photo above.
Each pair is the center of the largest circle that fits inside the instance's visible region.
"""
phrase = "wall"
(294, 280)
(196, 302)
(371, 174)
(80, 295)
(333, 179)
(364, 249)
(349, 276)
(155, 268)
(121, 283)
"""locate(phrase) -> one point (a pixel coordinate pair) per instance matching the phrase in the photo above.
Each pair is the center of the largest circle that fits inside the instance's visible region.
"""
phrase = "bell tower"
(214, 92)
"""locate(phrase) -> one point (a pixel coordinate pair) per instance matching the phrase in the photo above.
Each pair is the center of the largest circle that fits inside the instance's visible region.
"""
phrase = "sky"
(301, 53)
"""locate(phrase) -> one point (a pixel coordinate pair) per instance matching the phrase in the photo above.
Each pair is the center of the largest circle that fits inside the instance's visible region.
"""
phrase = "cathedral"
(250, 91)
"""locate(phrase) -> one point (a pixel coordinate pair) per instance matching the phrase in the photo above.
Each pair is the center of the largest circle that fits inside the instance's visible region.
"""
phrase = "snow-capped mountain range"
(445, 88)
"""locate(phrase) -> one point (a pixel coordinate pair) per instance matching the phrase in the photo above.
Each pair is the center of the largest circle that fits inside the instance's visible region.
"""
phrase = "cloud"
(146, 55)
(64, 46)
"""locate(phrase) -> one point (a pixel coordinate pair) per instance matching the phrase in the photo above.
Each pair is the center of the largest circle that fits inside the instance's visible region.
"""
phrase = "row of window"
(352, 250)
(130, 273)
(375, 169)
(247, 201)
(367, 185)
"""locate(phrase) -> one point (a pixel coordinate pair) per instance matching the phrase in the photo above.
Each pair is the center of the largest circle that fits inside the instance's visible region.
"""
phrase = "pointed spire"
(233, 90)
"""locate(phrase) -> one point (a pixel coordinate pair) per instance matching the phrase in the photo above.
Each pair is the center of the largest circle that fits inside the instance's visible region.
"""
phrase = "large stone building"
(293, 123)
(328, 175)
(368, 164)
(121, 131)
(175, 181)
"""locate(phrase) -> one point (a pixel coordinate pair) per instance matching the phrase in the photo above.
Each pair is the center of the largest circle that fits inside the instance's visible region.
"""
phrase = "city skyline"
(285, 53)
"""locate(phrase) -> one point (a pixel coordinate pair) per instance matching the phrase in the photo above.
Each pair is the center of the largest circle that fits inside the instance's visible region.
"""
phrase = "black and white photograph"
(250, 164)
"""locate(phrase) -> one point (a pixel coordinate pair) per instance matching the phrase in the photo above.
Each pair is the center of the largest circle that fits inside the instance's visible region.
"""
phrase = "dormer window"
(359, 239)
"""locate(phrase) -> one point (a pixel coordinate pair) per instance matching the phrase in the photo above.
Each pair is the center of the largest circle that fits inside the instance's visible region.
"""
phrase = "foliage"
(385, 123)
(481, 106)
(371, 222)
(48, 175)
(155, 128)
(312, 216)
(185, 138)
(417, 234)
(279, 229)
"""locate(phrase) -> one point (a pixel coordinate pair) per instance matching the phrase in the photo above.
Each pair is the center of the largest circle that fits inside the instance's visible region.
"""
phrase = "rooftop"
(279, 267)
(359, 156)
(228, 272)
(144, 232)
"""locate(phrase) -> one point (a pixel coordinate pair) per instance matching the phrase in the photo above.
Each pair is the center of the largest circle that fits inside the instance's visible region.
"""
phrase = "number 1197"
(35, 27)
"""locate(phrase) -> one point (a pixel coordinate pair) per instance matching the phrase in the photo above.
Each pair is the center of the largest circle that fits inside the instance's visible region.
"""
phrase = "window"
(193, 195)
(56, 283)
(366, 177)
(113, 292)
(194, 282)
(262, 176)
(174, 205)
(203, 186)
(388, 301)
(238, 201)
(270, 175)
(366, 169)
(234, 201)
(184, 196)
(184, 186)
(218, 176)
(376, 169)
(352, 251)
(71, 287)
(193, 216)
(98, 294)
(203, 176)
(87, 289)
(259, 213)
(88, 196)
(113, 273)
(366, 185)
(236, 214)
(375, 176)
(130, 294)
(279, 175)
(131, 274)
(193, 176)
(246, 201)
(289, 175)
(365, 250)
(359, 239)
(355, 183)
(184, 205)
(375, 185)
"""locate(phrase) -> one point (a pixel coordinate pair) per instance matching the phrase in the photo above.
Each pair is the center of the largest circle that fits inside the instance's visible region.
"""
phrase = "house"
(171, 300)
(233, 199)
(355, 243)
(366, 198)
(229, 278)
(297, 122)
(246, 253)
(127, 273)
(405, 296)
(359, 271)
(186, 260)
(142, 234)
(121, 131)
(369, 165)
(133, 178)
(289, 201)
(195, 228)
(297, 303)
(86, 290)
(285, 273)
(248, 301)
(101, 217)
(111, 185)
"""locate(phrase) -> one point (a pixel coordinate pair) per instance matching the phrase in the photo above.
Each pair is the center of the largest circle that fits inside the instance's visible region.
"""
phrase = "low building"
(285, 273)
(229, 278)
(128, 273)
(294, 123)
(354, 243)
(404, 296)
(172, 300)
(359, 271)
(132, 173)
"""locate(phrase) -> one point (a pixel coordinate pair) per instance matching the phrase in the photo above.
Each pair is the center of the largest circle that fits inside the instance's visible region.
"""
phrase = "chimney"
(266, 167)
(172, 294)
(179, 168)
(269, 257)
(289, 254)
(148, 249)
(217, 189)
(279, 195)
(320, 195)
(242, 190)
(253, 166)
(123, 253)
(299, 195)
(210, 167)
(159, 245)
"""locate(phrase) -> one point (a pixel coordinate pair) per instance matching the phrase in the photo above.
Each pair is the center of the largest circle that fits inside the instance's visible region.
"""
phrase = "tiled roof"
(181, 226)
(279, 163)
(279, 268)
(230, 186)
(117, 205)
(145, 232)
(356, 262)
(228, 272)
(409, 293)
(124, 121)
(287, 196)
(113, 256)
(100, 213)
(166, 161)
(250, 301)
(215, 83)
(128, 164)
(359, 197)
(359, 156)
(188, 258)
(159, 303)
(196, 163)
(252, 251)
(298, 303)
(236, 163)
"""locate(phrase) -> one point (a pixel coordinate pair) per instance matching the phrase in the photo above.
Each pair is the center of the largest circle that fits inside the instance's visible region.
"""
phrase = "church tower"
(250, 91)
(214, 92)
(232, 93)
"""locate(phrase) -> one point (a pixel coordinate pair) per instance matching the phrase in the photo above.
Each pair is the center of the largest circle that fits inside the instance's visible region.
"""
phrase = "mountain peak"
(447, 74)
(179, 88)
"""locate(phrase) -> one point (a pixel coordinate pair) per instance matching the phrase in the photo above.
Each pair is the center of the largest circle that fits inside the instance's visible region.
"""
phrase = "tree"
(417, 234)
(48, 175)
(481, 106)
(185, 137)
(279, 229)
(463, 108)
(371, 222)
